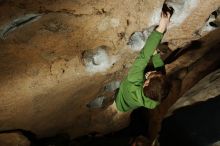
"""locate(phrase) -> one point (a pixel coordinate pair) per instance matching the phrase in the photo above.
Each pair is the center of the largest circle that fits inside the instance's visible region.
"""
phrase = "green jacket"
(130, 95)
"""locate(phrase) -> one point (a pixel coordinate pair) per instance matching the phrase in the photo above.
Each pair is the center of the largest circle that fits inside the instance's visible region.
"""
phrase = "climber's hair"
(158, 87)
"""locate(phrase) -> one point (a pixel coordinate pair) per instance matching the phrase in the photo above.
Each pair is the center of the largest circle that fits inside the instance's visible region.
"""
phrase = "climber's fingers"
(166, 15)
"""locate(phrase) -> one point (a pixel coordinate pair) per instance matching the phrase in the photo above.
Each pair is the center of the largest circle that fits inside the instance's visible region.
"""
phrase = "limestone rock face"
(45, 83)
(205, 89)
(13, 139)
(216, 144)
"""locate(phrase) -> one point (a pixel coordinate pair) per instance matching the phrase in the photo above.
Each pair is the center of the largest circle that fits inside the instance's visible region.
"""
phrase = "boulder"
(13, 139)
(47, 79)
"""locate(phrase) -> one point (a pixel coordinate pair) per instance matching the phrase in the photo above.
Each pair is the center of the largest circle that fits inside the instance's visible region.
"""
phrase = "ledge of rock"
(13, 139)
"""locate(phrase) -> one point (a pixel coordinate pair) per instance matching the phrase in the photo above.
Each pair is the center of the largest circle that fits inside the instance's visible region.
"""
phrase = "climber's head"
(156, 86)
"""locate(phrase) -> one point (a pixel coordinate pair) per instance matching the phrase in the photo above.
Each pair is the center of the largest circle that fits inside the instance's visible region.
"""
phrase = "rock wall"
(13, 139)
(208, 87)
(46, 80)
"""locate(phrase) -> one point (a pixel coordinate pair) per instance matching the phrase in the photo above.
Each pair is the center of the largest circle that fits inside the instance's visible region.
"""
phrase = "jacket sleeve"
(157, 61)
(136, 73)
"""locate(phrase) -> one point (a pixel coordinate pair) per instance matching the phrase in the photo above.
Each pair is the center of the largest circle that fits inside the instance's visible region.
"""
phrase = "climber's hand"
(164, 21)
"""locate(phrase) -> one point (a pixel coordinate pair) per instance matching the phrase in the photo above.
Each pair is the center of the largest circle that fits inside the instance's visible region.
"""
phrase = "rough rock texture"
(13, 139)
(216, 144)
(205, 89)
(44, 83)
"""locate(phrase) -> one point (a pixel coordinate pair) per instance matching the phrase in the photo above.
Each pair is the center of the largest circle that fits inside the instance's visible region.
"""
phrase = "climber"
(134, 90)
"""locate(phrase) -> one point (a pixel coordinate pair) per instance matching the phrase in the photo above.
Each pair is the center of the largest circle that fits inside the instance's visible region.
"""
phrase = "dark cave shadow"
(139, 121)
(58, 140)
(195, 125)
(180, 51)
(138, 126)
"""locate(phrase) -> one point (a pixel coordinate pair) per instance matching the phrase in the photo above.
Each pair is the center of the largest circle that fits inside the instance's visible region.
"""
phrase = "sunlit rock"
(52, 67)
(13, 139)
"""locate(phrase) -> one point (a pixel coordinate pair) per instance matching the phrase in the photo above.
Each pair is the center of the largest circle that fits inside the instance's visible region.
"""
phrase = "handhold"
(182, 9)
(97, 60)
(96, 103)
(14, 24)
(211, 24)
(138, 39)
(112, 86)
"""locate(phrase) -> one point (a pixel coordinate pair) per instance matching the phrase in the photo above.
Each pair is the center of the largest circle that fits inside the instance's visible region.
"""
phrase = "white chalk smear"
(155, 17)
(138, 39)
(182, 9)
(98, 60)
(108, 23)
(112, 86)
(207, 27)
